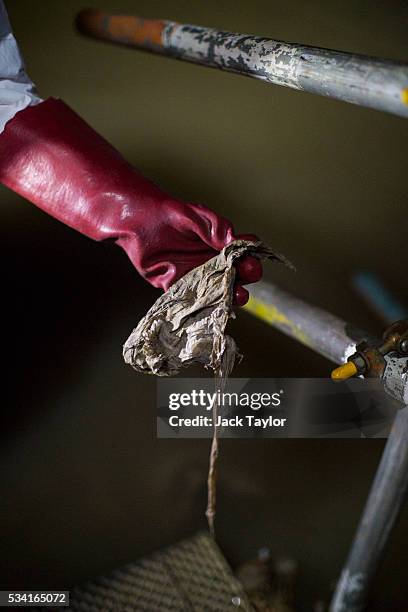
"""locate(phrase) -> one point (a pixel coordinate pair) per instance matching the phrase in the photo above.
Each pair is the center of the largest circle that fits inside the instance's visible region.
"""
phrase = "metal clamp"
(386, 359)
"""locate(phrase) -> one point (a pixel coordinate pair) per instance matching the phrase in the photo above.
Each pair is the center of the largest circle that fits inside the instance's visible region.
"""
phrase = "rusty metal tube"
(367, 81)
(316, 328)
(323, 332)
(335, 339)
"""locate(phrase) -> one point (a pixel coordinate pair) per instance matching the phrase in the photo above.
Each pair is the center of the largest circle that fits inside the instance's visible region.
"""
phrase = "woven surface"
(191, 576)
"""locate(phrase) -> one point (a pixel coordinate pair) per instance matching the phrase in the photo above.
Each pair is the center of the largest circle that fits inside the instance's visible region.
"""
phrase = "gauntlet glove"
(50, 156)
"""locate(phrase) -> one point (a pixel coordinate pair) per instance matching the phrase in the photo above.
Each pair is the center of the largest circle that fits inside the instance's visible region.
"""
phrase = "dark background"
(86, 486)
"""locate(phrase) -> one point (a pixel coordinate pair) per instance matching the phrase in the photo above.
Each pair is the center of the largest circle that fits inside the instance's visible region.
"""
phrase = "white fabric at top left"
(17, 91)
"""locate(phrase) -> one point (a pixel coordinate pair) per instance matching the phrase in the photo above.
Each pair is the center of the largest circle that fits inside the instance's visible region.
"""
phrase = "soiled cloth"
(187, 324)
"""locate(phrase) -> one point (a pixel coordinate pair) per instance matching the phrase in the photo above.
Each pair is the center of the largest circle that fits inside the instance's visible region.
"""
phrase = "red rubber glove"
(53, 158)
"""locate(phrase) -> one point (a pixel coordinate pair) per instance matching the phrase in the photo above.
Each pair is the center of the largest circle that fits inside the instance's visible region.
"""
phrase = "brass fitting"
(369, 360)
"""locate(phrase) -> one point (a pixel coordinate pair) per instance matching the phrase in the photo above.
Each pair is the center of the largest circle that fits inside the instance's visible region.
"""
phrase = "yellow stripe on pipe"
(271, 315)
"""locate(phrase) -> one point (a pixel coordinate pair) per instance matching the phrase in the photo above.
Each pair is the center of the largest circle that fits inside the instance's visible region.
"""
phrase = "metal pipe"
(387, 496)
(335, 339)
(367, 81)
(316, 328)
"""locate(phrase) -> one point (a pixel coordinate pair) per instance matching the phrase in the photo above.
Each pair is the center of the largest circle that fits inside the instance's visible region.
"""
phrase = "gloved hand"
(49, 155)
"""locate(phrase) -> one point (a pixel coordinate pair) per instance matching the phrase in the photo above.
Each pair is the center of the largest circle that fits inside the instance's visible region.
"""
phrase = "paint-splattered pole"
(358, 79)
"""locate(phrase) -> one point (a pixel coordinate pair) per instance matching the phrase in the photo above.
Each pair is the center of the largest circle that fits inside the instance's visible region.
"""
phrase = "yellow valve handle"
(344, 372)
